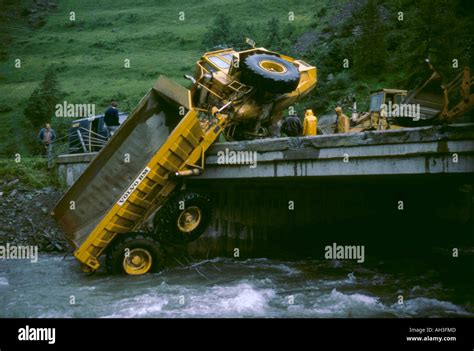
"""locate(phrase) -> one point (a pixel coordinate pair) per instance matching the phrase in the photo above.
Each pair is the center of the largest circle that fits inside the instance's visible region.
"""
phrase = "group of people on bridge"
(292, 126)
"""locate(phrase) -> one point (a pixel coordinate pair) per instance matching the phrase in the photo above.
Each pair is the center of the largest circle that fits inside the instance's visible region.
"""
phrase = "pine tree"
(370, 49)
(220, 32)
(438, 30)
(41, 104)
(272, 34)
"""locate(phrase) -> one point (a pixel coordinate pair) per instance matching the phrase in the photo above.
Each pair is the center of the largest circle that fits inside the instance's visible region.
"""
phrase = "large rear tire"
(183, 218)
(134, 254)
(269, 73)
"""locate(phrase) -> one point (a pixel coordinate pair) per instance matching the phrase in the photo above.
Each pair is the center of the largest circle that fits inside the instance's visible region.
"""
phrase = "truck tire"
(183, 218)
(134, 254)
(269, 73)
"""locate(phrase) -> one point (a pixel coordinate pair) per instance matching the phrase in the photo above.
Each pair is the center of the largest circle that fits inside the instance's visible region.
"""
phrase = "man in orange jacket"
(342, 123)
(310, 124)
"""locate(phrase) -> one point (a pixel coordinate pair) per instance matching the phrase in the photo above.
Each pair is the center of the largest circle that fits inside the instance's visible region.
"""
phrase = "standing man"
(342, 122)
(111, 118)
(292, 126)
(310, 124)
(47, 136)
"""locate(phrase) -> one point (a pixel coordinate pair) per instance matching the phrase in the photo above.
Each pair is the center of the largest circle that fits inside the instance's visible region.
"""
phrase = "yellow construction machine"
(431, 102)
(130, 203)
(256, 84)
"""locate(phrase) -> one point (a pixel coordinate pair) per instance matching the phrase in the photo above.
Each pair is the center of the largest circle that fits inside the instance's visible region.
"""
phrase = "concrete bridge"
(424, 150)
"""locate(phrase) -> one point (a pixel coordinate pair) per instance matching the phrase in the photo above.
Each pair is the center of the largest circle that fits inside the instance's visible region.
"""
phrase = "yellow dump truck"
(131, 202)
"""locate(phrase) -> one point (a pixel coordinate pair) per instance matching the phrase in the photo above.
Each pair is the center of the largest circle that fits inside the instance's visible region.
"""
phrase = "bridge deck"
(421, 150)
(445, 149)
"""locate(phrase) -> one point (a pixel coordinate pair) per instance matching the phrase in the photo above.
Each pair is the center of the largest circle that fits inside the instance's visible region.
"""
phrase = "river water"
(54, 287)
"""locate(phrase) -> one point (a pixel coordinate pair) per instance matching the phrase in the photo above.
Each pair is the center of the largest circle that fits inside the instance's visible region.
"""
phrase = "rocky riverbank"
(25, 217)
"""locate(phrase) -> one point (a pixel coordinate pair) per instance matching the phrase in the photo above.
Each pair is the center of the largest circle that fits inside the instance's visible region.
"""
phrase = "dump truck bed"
(136, 160)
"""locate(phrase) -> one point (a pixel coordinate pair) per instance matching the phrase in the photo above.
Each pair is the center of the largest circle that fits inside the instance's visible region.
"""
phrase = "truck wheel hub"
(189, 219)
(139, 261)
(272, 66)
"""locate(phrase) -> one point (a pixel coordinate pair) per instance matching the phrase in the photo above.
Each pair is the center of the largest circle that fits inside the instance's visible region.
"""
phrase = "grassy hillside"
(89, 53)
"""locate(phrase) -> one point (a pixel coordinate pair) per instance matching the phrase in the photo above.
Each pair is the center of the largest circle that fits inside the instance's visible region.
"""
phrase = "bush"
(219, 32)
(32, 172)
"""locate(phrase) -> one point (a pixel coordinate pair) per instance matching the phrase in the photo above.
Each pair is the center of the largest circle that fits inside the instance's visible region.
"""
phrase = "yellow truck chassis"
(184, 148)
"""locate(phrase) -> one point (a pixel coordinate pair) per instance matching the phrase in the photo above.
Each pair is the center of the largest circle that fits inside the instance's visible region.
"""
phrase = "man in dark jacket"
(292, 126)
(111, 118)
(47, 136)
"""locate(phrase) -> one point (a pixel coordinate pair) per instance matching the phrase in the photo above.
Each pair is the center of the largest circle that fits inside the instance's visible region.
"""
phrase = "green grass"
(89, 53)
(32, 173)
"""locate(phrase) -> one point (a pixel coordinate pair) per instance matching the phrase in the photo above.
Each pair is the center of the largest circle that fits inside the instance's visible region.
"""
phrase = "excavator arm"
(463, 83)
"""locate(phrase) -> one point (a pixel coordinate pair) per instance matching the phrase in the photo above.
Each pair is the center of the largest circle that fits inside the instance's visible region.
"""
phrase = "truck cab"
(260, 83)
(383, 97)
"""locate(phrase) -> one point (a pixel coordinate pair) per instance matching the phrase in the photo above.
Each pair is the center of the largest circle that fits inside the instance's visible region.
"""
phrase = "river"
(54, 287)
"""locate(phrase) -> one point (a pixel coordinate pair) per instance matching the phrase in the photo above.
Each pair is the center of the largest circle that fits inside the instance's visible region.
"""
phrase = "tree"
(438, 30)
(41, 104)
(220, 32)
(370, 50)
(272, 34)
